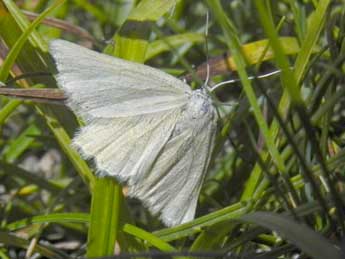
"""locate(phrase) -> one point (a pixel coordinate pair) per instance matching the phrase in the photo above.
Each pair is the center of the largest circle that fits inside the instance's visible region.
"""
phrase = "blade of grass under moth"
(104, 217)
(131, 44)
(148, 237)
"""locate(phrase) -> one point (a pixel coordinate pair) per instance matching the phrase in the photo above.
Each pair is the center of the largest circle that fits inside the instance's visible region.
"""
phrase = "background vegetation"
(275, 188)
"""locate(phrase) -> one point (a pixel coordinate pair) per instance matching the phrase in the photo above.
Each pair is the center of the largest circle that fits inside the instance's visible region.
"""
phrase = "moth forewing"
(143, 127)
(102, 86)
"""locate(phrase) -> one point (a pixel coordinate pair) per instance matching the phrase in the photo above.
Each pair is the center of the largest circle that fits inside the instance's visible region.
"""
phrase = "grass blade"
(309, 241)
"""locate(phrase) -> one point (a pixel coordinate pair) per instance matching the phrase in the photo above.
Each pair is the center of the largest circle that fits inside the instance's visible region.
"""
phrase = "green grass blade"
(20, 19)
(158, 46)
(287, 75)
(12, 240)
(65, 142)
(16, 48)
(7, 110)
(92, 9)
(104, 218)
(131, 44)
(30, 59)
(15, 171)
(235, 48)
(196, 226)
(315, 26)
(284, 103)
(148, 237)
(21, 143)
(309, 241)
(49, 218)
(132, 39)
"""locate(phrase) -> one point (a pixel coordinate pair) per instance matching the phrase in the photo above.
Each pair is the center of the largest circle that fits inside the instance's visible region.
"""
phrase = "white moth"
(144, 127)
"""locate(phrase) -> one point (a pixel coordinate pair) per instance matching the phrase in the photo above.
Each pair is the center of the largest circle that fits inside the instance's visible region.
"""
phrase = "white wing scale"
(144, 127)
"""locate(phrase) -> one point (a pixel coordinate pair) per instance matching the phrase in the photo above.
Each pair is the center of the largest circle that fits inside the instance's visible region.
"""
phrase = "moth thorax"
(199, 105)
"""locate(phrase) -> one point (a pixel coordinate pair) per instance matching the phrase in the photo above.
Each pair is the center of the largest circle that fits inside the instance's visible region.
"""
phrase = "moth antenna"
(231, 103)
(206, 50)
(172, 10)
(231, 81)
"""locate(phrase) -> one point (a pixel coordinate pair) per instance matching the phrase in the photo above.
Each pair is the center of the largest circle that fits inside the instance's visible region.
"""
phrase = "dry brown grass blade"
(63, 25)
(38, 95)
